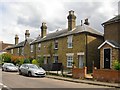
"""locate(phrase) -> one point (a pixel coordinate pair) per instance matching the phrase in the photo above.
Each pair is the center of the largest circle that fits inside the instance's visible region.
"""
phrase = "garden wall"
(79, 72)
(106, 75)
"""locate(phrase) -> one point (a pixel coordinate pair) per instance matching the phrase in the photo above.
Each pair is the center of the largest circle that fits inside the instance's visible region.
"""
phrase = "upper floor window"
(31, 46)
(56, 44)
(11, 51)
(39, 46)
(22, 50)
(18, 50)
(70, 41)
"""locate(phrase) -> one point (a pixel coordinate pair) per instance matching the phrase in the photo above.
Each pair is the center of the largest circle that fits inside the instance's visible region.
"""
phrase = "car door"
(22, 68)
(26, 69)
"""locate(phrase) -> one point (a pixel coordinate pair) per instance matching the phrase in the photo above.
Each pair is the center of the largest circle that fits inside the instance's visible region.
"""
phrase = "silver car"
(9, 67)
(31, 70)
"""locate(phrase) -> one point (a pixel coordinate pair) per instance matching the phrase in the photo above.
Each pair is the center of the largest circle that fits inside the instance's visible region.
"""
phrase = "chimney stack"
(16, 39)
(43, 29)
(86, 22)
(27, 34)
(71, 20)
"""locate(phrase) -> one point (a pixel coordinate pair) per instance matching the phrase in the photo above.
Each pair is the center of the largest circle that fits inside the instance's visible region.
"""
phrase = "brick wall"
(79, 72)
(106, 75)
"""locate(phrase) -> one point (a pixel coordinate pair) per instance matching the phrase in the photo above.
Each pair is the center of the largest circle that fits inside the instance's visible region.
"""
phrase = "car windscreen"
(33, 66)
(9, 65)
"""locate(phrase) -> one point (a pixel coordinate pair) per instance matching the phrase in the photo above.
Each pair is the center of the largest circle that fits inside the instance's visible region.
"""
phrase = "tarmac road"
(14, 80)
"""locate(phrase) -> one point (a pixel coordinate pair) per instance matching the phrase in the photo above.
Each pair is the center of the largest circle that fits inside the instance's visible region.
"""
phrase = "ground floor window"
(69, 61)
(55, 59)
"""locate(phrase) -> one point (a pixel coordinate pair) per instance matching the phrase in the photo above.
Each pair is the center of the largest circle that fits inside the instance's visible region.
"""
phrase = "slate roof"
(111, 43)
(78, 29)
(115, 19)
(21, 44)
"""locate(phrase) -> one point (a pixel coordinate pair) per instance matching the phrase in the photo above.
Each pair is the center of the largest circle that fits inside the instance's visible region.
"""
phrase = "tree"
(41, 61)
(6, 57)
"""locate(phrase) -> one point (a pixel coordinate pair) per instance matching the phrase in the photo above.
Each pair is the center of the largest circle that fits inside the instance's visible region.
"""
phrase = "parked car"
(9, 67)
(31, 70)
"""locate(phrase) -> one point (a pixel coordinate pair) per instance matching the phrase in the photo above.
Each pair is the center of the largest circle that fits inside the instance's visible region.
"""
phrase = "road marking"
(3, 86)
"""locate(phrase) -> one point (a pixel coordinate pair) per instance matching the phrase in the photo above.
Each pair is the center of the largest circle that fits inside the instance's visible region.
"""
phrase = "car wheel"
(5, 69)
(20, 73)
(29, 74)
(2, 69)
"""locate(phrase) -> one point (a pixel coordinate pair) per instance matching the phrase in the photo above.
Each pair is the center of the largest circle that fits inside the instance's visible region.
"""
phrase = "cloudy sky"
(18, 16)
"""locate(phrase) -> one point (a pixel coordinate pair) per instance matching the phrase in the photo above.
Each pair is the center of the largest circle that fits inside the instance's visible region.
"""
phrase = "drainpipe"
(86, 49)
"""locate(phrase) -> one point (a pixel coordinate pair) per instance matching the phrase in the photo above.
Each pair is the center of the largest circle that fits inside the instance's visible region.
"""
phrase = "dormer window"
(70, 41)
(56, 44)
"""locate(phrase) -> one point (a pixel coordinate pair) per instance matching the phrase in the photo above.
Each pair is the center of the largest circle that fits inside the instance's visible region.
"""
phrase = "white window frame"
(22, 50)
(39, 46)
(31, 48)
(11, 51)
(70, 41)
(69, 61)
(55, 42)
(18, 50)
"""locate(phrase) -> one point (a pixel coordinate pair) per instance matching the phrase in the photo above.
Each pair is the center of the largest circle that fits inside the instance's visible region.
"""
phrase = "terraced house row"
(76, 43)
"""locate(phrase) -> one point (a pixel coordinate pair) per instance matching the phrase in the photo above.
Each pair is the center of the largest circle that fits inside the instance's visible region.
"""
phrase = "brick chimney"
(16, 39)
(27, 34)
(71, 20)
(86, 22)
(43, 29)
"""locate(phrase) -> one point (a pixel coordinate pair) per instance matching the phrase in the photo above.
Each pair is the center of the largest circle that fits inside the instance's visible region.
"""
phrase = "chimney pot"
(27, 34)
(16, 39)
(86, 22)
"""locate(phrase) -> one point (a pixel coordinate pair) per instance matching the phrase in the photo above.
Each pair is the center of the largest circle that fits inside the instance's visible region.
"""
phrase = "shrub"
(21, 61)
(116, 65)
(34, 61)
(26, 60)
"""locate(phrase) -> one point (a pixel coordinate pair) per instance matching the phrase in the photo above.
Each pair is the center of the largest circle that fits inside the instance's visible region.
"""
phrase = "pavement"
(116, 85)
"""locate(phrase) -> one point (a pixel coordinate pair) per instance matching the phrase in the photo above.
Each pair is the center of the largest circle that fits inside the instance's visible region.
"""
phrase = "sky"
(16, 16)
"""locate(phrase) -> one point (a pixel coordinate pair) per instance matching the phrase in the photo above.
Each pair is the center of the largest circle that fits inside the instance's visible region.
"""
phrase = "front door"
(107, 58)
(81, 61)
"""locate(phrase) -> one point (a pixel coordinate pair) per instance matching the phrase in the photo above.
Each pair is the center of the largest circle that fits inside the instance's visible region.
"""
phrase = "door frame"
(110, 56)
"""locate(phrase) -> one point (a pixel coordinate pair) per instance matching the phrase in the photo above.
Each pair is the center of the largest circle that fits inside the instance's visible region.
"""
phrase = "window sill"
(70, 47)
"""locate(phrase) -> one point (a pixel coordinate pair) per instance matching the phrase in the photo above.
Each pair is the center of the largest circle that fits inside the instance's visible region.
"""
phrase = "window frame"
(11, 51)
(69, 61)
(18, 50)
(56, 44)
(39, 46)
(70, 41)
(31, 48)
(55, 60)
